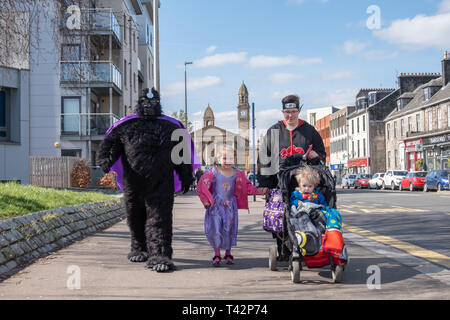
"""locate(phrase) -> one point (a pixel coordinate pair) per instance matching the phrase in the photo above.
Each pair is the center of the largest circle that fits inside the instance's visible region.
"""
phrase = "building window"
(389, 160)
(395, 129)
(395, 158)
(409, 124)
(364, 148)
(402, 127)
(124, 28)
(134, 41)
(448, 115)
(125, 73)
(439, 118)
(71, 52)
(71, 153)
(388, 130)
(353, 126)
(357, 125)
(364, 123)
(70, 115)
(353, 149)
(358, 150)
(427, 93)
(312, 119)
(418, 122)
(4, 111)
(430, 120)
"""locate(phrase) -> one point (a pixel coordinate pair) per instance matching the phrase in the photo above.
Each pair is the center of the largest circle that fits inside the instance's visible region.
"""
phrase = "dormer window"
(372, 98)
(361, 103)
(427, 93)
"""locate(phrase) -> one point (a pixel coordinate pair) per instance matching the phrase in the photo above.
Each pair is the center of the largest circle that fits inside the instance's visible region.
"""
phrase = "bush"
(109, 180)
(81, 175)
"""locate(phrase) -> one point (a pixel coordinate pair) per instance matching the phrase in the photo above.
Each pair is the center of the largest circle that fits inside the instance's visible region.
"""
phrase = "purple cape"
(118, 166)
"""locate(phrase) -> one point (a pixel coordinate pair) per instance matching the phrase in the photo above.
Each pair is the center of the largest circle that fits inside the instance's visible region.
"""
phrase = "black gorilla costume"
(145, 146)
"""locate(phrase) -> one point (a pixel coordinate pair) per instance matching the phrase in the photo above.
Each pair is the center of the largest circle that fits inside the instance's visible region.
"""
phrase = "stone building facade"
(418, 130)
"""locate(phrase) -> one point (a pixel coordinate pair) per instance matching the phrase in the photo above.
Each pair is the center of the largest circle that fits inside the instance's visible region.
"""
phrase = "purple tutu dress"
(221, 219)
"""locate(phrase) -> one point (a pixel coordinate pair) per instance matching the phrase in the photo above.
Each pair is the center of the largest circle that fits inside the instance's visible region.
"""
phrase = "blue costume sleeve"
(321, 198)
(295, 195)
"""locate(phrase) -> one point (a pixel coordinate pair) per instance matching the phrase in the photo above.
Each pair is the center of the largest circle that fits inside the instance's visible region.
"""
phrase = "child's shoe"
(216, 261)
(229, 258)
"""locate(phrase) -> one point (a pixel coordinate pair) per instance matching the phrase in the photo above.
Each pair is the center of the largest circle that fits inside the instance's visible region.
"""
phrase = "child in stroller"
(311, 232)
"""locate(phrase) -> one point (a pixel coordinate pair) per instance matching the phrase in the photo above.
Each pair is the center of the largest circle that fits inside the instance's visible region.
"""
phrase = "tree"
(180, 115)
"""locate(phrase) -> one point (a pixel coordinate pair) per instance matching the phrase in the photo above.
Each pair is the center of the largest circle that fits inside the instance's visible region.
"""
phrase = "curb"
(25, 239)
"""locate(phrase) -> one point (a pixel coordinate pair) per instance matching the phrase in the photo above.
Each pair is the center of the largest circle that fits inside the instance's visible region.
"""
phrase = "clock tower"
(243, 112)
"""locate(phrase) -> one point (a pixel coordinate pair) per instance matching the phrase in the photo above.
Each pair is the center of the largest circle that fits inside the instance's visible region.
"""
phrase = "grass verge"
(17, 200)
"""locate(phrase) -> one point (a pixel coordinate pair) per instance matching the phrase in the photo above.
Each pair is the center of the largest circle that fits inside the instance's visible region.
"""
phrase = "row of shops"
(425, 153)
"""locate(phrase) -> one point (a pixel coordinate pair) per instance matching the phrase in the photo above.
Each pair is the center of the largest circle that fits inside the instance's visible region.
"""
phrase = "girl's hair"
(220, 151)
(309, 174)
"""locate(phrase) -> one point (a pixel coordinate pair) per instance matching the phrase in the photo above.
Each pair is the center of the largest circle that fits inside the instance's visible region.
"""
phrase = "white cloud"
(211, 49)
(355, 47)
(352, 47)
(221, 59)
(268, 61)
(419, 32)
(337, 97)
(444, 6)
(338, 75)
(284, 77)
(281, 94)
(193, 84)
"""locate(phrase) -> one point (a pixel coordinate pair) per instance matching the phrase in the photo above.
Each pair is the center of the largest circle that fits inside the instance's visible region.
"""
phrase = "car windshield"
(419, 174)
(366, 176)
(382, 175)
(443, 173)
(352, 176)
(400, 173)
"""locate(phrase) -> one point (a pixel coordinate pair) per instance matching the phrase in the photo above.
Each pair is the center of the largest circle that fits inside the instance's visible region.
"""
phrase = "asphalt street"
(400, 238)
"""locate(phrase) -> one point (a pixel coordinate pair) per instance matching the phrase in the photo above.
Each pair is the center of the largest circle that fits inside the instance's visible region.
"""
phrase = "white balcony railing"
(101, 19)
(86, 124)
(90, 72)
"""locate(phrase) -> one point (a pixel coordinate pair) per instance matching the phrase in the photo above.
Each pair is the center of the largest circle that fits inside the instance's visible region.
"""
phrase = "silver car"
(348, 181)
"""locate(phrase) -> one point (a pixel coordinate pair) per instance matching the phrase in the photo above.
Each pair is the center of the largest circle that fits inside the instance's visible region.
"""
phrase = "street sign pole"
(254, 157)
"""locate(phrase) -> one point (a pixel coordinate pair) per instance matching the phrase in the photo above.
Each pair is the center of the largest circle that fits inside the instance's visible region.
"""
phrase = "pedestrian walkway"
(105, 272)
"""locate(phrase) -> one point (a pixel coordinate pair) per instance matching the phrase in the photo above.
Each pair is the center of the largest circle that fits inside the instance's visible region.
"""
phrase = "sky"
(322, 50)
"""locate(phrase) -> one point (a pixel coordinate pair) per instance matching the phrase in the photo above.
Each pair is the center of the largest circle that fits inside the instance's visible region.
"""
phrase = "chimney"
(446, 68)
(408, 82)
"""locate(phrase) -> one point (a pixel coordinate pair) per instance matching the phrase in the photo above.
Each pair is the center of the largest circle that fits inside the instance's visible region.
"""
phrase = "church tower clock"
(243, 112)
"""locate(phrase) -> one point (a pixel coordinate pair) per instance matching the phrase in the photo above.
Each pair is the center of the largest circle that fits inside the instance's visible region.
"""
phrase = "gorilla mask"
(149, 106)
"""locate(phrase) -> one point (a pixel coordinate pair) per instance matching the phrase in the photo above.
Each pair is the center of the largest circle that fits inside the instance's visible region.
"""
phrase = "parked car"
(413, 181)
(393, 178)
(436, 180)
(362, 180)
(377, 180)
(348, 180)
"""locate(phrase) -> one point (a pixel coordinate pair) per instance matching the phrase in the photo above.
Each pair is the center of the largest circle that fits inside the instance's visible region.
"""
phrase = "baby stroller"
(289, 250)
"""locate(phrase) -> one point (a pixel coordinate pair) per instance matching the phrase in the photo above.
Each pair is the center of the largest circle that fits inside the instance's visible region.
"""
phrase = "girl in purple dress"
(226, 186)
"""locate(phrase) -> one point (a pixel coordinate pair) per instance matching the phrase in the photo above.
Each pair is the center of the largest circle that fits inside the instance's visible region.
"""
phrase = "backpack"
(273, 213)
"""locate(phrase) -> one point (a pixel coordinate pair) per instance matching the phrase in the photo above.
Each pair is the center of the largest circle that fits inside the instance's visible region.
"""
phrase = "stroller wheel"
(273, 258)
(337, 272)
(295, 271)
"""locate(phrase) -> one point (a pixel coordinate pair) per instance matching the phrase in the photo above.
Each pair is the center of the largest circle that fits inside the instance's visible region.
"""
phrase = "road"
(400, 238)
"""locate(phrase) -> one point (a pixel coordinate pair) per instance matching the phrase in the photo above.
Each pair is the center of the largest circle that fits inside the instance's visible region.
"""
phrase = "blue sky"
(321, 50)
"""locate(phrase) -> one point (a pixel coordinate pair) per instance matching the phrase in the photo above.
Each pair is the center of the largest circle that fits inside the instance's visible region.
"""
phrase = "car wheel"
(439, 187)
(392, 186)
(411, 187)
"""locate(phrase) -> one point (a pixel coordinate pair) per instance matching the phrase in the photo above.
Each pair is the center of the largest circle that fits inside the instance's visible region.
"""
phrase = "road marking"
(410, 248)
(423, 266)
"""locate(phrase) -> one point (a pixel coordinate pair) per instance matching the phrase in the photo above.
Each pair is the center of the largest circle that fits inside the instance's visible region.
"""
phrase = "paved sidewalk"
(107, 274)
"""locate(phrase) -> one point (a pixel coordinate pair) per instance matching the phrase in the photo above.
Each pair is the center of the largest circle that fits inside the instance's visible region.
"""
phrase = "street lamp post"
(185, 94)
